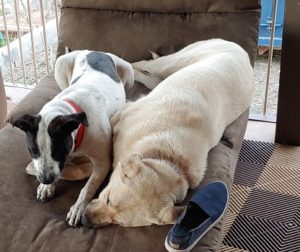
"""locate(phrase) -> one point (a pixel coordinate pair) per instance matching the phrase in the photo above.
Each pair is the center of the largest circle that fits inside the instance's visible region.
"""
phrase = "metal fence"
(267, 64)
(29, 40)
(270, 56)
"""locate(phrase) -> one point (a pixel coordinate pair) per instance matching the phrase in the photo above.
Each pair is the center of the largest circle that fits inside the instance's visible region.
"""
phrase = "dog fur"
(162, 140)
(95, 82)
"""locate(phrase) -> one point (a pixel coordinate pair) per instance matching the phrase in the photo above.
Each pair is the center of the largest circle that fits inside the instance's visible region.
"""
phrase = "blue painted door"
(266, 23)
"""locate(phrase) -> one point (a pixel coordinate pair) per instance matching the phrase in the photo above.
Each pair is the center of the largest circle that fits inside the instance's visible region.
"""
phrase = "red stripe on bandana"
(80, 132)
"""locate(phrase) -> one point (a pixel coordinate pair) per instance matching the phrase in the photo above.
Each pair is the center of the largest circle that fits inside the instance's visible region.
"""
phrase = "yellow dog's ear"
(154, 54)
(169, 214)
(131, 167)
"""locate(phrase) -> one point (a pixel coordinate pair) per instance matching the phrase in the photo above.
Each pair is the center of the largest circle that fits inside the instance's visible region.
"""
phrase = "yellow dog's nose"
(85, 220)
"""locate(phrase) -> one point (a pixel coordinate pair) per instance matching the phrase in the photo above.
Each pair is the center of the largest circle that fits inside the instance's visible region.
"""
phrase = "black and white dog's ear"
(64, 68)
(69, 123)
(124, 70)
(26, 122)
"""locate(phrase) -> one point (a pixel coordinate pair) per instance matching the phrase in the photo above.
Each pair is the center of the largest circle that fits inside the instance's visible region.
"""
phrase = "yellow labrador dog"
(162, 140)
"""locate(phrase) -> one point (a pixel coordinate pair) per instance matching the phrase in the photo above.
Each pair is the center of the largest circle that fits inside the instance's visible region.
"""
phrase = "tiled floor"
(16, 94)
(260, 131)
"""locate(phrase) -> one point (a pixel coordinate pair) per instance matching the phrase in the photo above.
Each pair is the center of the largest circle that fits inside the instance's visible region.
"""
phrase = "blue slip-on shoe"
(204, 210)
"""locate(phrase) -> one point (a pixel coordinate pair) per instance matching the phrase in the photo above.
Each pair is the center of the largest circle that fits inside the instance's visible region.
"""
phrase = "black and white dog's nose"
(49, 179)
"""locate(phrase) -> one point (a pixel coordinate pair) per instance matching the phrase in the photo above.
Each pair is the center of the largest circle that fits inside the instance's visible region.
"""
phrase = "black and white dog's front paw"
(75, 213)
(45, 192)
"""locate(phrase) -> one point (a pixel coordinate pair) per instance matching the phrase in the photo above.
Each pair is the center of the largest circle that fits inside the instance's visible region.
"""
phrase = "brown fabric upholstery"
(129, 29)
(116, 26)
(34, 101)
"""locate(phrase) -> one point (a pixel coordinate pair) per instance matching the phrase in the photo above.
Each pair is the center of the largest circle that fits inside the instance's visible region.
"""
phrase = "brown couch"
(127, 28)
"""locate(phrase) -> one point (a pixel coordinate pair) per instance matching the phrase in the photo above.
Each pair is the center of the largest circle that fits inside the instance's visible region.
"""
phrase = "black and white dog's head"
(50, 143)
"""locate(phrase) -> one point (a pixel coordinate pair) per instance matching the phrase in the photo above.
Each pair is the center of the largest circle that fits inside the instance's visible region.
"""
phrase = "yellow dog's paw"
(75, 213)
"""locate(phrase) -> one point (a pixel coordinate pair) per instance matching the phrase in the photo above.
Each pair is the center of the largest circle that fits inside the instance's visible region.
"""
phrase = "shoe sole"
(170, 249)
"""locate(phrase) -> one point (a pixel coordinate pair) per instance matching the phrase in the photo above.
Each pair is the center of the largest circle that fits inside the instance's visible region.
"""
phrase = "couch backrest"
(129, 28)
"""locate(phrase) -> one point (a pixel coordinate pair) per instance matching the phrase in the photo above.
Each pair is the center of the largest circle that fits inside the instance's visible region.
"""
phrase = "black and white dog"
(76, 122)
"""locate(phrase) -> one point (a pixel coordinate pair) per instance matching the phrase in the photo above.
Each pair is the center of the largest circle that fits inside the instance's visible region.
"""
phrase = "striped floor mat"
(264, 211)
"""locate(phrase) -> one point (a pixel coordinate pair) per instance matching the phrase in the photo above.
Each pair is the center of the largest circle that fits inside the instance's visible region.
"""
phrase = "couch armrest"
(37, 98)
(221, 165)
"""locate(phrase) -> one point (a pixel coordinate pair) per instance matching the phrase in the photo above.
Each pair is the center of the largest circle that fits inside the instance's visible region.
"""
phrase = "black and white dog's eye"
(32, 150)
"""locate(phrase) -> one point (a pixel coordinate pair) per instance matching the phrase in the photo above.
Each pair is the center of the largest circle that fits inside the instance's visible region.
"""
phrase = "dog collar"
(80, 131)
